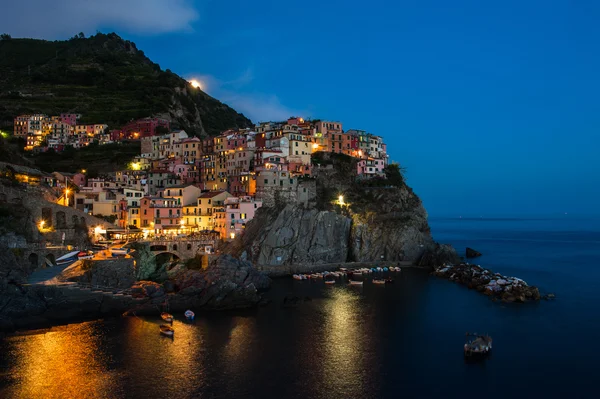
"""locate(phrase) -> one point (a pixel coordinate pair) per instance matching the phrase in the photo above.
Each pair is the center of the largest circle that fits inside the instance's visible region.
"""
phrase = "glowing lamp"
(232, 235)
(341, 199)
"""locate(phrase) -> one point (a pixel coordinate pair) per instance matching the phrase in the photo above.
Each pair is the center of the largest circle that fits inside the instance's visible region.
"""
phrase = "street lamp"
(42, 223)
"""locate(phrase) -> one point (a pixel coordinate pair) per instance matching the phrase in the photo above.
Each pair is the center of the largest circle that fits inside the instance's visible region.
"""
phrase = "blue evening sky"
(492, 106)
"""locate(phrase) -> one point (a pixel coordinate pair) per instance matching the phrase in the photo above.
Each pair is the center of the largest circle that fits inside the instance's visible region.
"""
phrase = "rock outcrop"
(227, 283)
(297, 235)
(507, 289)
(471, 253)
(386, 223)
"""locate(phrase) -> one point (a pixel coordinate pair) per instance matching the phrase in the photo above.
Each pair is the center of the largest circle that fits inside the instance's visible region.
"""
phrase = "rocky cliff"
(378, 219)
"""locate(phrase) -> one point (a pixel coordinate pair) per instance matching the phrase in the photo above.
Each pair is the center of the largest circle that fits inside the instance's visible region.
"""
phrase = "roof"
(211, 194)
(22, 169)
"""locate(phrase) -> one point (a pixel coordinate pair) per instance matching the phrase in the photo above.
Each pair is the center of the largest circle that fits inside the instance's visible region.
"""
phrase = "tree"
(5, 36)
(395, 174)
(81, 35)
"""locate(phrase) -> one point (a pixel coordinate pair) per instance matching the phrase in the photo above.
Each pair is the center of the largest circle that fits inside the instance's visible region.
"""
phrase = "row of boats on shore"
(330, 277)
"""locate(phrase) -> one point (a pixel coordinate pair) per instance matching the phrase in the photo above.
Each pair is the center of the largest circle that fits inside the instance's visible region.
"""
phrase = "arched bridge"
(184, 248)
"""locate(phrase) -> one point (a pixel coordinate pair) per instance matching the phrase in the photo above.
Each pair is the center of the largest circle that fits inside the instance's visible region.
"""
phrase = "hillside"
(105, 78)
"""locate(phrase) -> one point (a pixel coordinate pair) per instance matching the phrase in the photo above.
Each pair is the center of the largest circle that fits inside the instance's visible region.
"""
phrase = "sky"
(491, 106)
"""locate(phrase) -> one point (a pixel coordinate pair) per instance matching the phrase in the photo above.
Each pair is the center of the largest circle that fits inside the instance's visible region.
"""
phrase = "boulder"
(471, 253)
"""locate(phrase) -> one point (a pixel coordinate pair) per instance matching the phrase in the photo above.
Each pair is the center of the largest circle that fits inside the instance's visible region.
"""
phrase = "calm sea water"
(400, 340)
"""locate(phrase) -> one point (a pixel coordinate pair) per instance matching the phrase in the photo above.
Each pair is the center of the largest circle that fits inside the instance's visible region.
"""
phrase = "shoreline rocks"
(495, 285)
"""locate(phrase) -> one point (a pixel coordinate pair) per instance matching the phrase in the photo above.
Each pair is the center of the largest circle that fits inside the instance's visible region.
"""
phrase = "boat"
(167, 330)
(385, 269)
(378, 281)
(297, 277)
(119, 251)
(357, 273)
(379, 269)
(479, 345)
(167, 317)
(343, 269)
(189, 315)
(373, 269)
(85, 255)
(329, 281)
(354, 282)
(67, 259)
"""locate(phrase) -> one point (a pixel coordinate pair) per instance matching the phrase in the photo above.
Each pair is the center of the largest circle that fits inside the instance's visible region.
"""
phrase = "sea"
(380, 341)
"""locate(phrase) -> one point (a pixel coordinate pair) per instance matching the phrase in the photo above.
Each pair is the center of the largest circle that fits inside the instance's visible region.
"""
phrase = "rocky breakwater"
(227, 283)
(495, 285)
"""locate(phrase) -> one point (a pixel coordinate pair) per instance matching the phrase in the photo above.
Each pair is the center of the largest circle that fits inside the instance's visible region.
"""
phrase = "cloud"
(255, 105)
(59, 19)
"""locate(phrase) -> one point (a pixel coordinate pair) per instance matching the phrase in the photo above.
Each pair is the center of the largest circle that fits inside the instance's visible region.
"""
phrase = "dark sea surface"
(398, 340)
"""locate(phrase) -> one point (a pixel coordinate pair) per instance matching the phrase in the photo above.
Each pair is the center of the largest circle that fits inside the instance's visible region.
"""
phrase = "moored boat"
(119, 251)
(167, 330)
(67, 259)
(189, 315)
(167, 317)
(329, 281)
(480, 345)
(297, 277)
(378, 281)
(354, 282)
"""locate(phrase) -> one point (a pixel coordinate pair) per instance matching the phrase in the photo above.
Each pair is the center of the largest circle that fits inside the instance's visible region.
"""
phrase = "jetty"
(495, 285)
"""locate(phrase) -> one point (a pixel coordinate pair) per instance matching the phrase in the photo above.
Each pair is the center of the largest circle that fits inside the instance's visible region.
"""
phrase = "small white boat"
(379, 269)
(357, 273)
(167, 330)
(329, 281)
(167, 317)
(122, 251)
(189, 315)
(354, 282)
(377, 281)
(297, 277)
(67, 259)
(343, 269)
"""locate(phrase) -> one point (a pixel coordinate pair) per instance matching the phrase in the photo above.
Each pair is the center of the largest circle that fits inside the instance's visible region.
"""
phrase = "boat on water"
(189, 315)
(297, 277)
(354, 282)
(167, 317)
(329, 281)
(477, 345)
(167, 330)
(378, 281)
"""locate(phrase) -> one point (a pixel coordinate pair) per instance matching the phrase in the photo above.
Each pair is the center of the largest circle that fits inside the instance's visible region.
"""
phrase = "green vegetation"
(96, 159)
(104, 78)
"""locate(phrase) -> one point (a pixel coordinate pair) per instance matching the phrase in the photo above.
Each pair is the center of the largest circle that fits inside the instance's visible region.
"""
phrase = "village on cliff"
(184, 185)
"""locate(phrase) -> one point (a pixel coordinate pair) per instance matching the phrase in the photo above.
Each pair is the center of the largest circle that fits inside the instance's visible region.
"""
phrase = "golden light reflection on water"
(161, 359)
(343, 337)
(238, 350)
(62, 363)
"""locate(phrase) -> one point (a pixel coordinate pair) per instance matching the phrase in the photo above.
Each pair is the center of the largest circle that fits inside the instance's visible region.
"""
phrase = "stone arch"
(2, 197)
(158, 247)
(174, 247)
(75, 220)
(33, 260)
(61, 220)
(49, 260)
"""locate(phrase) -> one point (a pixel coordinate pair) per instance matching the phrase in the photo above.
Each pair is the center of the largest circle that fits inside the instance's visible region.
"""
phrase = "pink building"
(69, 119)
(238, 211)
(163, 215)
(370, 167)
(143, 127)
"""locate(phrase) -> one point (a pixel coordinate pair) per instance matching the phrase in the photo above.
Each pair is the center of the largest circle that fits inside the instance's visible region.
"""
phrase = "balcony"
(165, 206)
